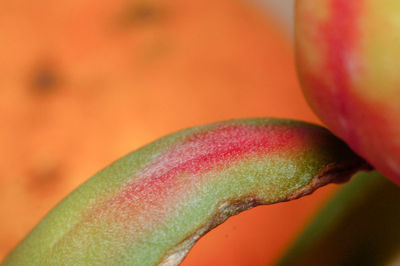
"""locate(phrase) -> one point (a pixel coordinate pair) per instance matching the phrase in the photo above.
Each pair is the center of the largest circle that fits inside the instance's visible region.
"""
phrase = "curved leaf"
(151, 206)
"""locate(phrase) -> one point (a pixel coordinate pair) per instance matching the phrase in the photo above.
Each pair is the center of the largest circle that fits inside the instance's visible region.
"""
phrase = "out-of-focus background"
(84, 82)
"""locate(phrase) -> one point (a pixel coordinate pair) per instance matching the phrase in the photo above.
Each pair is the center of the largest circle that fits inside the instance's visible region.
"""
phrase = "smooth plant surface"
(348, 60)
(152, 205)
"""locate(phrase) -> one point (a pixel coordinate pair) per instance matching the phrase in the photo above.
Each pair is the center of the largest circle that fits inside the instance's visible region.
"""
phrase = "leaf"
(151, 206)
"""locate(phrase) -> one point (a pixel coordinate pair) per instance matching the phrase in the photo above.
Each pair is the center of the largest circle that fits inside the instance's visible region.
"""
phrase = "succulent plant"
(348, 60)
(152, 205)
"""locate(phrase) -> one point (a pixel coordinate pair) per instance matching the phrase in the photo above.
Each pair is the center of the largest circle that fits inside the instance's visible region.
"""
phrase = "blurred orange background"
(84, 82)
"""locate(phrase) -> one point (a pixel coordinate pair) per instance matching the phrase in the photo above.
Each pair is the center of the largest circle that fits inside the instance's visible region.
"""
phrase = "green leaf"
(152, 205)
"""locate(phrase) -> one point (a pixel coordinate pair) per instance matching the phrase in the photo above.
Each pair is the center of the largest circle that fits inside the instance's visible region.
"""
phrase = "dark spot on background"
(44, 177)
(44, 79)
(142, 13)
